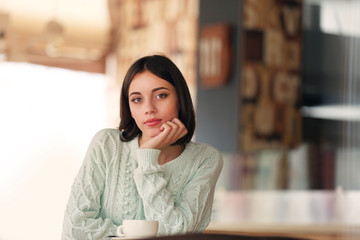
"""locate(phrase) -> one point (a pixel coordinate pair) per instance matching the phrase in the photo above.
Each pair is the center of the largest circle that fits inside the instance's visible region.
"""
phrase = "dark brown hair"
(164, 68)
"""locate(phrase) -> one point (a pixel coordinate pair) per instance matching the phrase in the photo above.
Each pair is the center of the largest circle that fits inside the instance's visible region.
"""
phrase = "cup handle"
(120, 231)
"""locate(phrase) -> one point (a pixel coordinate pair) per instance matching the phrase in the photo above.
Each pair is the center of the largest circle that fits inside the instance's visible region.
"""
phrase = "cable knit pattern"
(118, 181)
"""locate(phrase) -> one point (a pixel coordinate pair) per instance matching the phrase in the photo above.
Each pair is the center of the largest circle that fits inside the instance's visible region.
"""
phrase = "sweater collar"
(173, 164)
(182, 159)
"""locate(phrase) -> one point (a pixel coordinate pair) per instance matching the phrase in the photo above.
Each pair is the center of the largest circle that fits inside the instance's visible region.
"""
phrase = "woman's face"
(153, 101)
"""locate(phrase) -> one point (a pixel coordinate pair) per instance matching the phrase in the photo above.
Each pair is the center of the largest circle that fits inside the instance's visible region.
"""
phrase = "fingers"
(175, 130)
(171, 131)
(182, 131)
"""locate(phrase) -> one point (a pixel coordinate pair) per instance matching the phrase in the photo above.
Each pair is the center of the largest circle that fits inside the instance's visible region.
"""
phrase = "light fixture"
(4, 22)
(54, 35)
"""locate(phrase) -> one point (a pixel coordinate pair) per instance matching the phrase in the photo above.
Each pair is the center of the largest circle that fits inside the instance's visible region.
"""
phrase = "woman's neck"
(170, 153)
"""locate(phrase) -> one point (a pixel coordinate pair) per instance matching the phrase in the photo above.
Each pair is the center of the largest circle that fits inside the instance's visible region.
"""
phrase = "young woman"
(148, 168)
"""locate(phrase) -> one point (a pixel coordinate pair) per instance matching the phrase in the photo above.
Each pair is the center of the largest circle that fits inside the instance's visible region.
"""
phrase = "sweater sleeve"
(189, 213)
(81, 220)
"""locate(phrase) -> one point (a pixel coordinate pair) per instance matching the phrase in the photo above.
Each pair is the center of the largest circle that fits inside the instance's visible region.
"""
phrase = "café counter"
(313, 232)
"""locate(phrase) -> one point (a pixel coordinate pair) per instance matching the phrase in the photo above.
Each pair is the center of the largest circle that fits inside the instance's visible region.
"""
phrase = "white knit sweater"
(119, 181)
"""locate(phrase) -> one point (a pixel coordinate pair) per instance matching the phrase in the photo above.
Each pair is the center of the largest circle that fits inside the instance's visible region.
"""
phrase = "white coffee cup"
(138, 228)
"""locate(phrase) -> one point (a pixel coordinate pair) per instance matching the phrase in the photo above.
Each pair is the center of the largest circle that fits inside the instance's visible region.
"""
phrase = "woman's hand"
(171, 131)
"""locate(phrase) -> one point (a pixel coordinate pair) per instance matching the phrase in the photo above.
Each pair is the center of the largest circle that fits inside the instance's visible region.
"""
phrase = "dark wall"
(331, 77)
(325, 67)
(218, 109)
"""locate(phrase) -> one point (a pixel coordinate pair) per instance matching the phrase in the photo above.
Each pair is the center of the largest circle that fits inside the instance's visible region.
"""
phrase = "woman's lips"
(152, 122)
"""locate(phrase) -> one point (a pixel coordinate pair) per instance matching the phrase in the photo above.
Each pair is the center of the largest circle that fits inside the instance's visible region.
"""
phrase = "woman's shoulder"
(199, 146)
(107, 136)
(206, 157)
(206, 151)
(108, 132)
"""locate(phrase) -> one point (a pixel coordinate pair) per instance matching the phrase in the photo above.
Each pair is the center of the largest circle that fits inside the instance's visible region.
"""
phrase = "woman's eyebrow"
(160, 88)
(134, 93)
(154, 90)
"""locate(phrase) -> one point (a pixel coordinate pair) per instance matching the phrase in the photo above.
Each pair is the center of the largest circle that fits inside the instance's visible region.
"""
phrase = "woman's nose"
(150, 108)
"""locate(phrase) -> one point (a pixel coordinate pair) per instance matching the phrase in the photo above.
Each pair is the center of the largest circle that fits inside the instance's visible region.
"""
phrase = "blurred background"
(275, 85)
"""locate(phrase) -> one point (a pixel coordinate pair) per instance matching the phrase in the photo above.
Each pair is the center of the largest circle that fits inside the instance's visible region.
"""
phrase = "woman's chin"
(153, 133)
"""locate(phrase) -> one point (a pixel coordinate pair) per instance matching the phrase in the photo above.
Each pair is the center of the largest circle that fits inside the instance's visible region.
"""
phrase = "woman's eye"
(161, 95)
(136, 100)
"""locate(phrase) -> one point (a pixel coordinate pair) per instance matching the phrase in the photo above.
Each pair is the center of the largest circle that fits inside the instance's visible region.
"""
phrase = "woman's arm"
(82, 219)
(190, 213)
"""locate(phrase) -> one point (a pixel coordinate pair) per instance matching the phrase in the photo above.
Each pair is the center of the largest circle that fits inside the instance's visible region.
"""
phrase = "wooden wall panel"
(143, 27)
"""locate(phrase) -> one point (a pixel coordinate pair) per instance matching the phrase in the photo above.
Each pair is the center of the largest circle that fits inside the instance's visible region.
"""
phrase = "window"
(48, 117)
